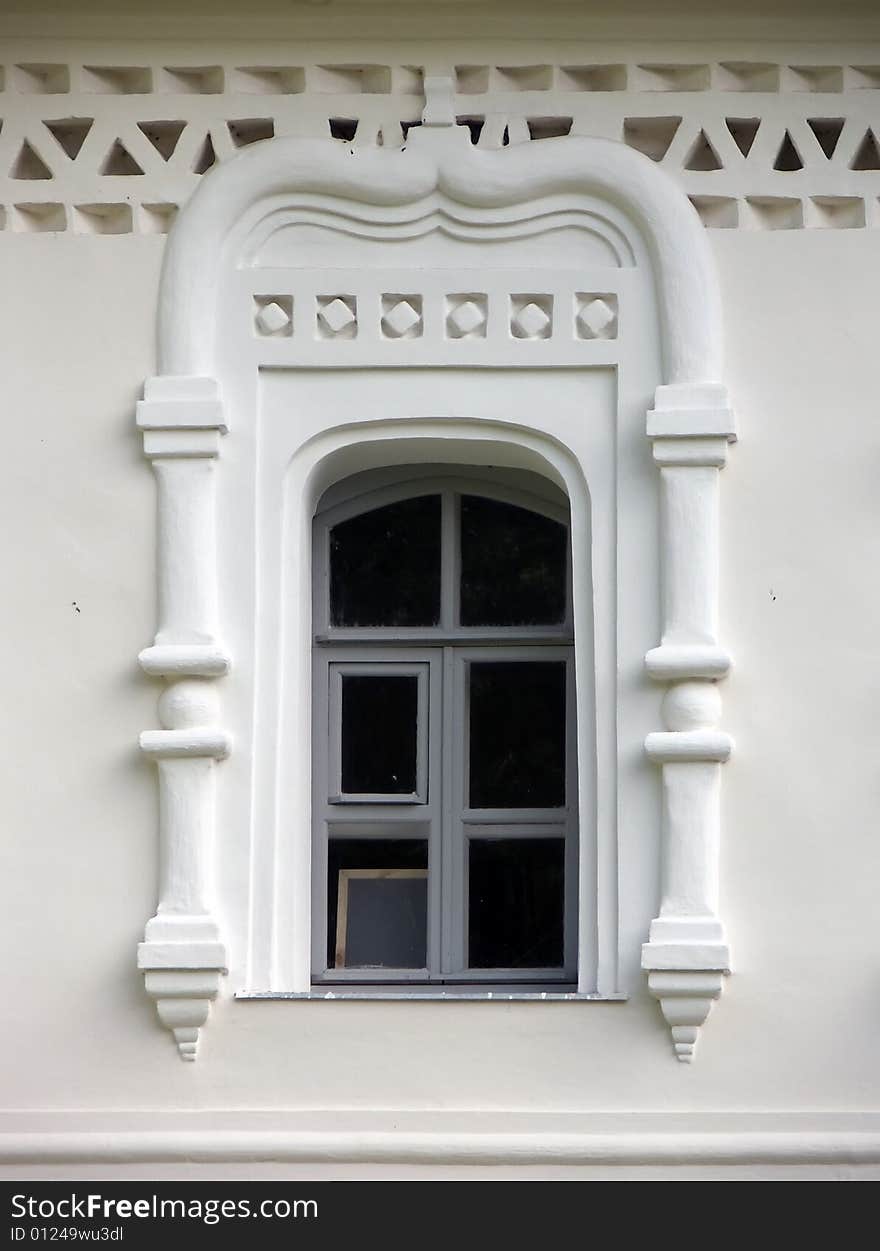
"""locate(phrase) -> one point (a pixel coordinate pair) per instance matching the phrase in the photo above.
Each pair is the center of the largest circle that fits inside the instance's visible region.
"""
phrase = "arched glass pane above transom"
(455, 559)
(513, 564)
(385, 566)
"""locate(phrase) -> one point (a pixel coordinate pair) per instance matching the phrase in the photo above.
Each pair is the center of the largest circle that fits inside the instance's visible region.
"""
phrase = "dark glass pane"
(385, 566)
(384, 918)
(380, 717)
(512, 565)
(516, 903)
(517, 734)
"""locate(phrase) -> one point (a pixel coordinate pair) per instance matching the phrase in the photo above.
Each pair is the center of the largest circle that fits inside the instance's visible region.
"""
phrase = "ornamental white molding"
(759, 137)
(687, 953)
(255, 327)
(832, 1145)
(182, 956)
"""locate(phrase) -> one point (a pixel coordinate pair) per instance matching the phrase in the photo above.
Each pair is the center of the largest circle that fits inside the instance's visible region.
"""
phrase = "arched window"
(444, 753)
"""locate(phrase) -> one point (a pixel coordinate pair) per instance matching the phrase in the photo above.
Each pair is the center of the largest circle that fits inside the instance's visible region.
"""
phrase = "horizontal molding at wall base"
(449, 1147)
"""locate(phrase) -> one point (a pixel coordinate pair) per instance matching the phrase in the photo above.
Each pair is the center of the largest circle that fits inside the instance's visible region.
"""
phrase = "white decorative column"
(182, 955)
(687, 955)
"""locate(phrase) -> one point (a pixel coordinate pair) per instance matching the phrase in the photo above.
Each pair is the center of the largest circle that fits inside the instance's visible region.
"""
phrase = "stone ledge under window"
(456, 996)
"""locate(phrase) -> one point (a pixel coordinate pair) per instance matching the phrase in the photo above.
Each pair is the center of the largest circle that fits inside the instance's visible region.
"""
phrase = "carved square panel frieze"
(466, 316)
(595, 316)
(273, 316)
(401, 316)
(531, 316)
(569, 322)
(337, 317)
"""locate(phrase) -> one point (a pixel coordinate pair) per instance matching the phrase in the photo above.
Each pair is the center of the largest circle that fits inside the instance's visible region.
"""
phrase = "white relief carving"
(102, 219)
(531, 317)
(182, 955)
(401, 316)
(466, 316)
(337, 317)
(416, 320)
(439, 107)
(273, 315)
(686, 999)
(713, 155)
(690, 427)
(687, 953)
(183, 1002)
(596, 316)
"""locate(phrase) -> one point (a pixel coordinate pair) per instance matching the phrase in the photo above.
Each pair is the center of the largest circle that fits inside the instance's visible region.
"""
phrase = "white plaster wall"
(792, 1044)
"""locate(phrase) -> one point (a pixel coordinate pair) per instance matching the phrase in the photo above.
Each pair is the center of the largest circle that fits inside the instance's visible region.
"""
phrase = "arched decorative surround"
(291, 359)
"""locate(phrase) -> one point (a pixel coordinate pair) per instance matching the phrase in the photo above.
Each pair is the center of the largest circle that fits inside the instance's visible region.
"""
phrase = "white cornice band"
(406, 1147)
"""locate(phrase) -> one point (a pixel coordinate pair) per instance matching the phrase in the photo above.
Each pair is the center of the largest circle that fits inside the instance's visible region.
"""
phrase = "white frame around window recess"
(443, 815)
(621, 243)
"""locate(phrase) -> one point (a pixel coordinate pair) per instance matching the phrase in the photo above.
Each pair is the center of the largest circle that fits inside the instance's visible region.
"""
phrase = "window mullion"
(435, 806)
(320, 779)
(449, 563)
(449, 816)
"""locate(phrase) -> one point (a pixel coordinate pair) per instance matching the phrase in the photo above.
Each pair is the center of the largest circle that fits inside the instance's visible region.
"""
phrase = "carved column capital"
(181, 402)
(691, 410)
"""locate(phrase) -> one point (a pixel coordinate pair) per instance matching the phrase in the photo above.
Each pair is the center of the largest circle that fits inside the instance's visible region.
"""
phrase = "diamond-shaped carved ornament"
(337, 316)
(466, 318)
(271, 318)
(596, 318)
(532, 321)
(400, 319)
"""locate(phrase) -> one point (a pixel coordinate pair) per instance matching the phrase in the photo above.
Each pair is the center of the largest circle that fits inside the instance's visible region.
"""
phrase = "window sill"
(456, 996)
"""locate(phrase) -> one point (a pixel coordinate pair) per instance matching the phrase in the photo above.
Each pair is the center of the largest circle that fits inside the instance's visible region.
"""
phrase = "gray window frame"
(438, 811)
(340, 669)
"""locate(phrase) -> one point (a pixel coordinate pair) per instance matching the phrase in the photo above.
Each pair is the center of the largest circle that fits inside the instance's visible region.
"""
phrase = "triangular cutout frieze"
(343, 128)
(70, 133)
(205, 158)
(652, 136)
(788, 159)
(867, 153)
(164, 136)
(28, 164)
(250, 130)
(119, 161)
(702, 156)
(827, 130)
(743, 131)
